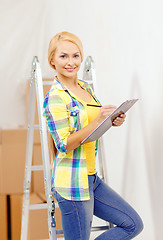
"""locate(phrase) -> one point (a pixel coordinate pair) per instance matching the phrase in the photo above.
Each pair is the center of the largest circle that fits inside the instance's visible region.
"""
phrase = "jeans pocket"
(59, 198)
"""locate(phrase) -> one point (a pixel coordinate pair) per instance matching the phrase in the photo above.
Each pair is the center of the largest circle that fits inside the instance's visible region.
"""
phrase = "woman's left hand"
(119, 120)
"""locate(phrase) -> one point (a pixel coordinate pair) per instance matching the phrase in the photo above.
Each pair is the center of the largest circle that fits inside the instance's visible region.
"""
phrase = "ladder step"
(59, 232)
(89, 81)
(93, 229)
(47, 83)
(37, 167)
(99, 228)
(38, 206)
(36, 126)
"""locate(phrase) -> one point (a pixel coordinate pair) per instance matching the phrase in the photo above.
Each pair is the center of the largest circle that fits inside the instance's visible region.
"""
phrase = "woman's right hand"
(75, 139)
(105, 111)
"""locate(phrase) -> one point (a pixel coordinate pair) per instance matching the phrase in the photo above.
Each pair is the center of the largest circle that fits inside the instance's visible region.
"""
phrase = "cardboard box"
(12, 159)
(16, 202)
(16, 214)
(34, 218)
(38, 219)
(27, 92)
(3, 217)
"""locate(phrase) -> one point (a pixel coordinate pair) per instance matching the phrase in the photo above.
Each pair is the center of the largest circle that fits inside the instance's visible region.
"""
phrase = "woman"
(79, 191)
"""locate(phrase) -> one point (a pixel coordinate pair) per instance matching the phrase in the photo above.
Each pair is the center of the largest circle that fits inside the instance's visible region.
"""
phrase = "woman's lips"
(69, 69)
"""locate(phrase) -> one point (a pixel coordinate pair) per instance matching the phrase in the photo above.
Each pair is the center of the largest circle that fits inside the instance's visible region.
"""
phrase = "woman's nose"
(70, 61)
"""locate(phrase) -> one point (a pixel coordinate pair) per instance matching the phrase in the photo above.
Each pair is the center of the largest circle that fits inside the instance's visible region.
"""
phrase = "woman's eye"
(63, 56)
(76, 56)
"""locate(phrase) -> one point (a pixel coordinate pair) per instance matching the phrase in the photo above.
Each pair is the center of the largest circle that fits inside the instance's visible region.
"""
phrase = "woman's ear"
(52, 63)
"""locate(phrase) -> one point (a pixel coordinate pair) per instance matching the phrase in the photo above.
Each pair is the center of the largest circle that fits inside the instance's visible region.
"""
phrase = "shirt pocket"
(74, 119)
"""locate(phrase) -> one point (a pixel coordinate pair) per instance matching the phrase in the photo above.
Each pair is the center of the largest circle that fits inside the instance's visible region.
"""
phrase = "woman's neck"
(69, 82)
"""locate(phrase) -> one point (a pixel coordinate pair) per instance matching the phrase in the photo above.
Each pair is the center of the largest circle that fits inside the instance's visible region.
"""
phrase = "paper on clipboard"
(107, 123)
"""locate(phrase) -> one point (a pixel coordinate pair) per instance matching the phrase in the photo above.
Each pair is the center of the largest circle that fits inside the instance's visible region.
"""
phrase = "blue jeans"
(105, 204)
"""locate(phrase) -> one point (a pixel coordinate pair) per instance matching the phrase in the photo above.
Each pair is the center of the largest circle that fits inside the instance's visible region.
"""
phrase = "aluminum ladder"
(36, 93)
(36, 89)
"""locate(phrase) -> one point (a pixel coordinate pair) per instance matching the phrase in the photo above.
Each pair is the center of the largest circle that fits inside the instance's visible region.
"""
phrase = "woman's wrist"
(75, 139)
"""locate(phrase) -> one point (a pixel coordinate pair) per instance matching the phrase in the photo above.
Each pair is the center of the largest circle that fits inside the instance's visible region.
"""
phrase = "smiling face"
(67, 59)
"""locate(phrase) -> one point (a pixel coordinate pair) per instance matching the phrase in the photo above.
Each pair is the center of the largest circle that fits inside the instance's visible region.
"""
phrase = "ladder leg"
(89, 75)
(45, 154)
(36, 90)
(29, 150)
(53, 223)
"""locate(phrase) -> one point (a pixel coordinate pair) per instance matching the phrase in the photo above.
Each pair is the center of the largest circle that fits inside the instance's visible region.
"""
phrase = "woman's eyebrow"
(63, 53)
(67, 53)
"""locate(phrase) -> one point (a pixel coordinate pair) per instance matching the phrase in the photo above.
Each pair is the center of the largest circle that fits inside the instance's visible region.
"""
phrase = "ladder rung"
(47, 83)
(38, 206)
(99, 228)
(41, 206)
(36, 126)
(37, 167)
(88, 81)
(59, 232)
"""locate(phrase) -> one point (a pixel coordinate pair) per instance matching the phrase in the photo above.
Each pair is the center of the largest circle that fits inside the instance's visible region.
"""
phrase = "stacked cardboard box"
(12, 159)
(12, 169)
(38, 219)
(3, 217)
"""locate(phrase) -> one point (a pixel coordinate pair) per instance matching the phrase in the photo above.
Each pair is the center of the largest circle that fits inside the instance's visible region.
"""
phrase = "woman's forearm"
(75, 139)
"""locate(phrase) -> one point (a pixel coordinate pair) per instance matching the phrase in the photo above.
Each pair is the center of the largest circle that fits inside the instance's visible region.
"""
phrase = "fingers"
(108, 109)
(123, 116)
(118, 121)
(105, 111)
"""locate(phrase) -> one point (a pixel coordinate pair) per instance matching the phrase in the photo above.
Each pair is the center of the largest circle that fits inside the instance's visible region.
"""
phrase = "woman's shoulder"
(84, 84)
(56, 95)
(87, 86)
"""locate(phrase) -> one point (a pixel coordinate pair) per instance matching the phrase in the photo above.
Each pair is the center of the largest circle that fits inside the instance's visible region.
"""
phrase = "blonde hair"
(63, 36)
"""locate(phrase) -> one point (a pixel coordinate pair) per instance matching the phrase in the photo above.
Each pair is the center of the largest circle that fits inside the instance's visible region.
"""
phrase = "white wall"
(125, 39)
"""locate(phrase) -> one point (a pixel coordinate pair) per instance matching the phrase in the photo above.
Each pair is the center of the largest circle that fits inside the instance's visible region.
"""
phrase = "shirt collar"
(84, 84)
(61, 87)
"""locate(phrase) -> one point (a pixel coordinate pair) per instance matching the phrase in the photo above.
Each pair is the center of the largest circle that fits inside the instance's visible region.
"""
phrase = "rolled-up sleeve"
(58, 120)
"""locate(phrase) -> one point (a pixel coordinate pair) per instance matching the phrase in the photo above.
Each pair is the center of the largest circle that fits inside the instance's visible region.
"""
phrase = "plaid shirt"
(65, 115)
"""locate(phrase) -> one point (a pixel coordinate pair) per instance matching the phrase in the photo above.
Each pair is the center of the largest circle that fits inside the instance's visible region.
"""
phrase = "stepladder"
(36, 94)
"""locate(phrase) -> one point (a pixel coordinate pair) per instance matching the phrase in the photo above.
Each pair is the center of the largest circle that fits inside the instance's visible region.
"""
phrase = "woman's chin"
(70, 74)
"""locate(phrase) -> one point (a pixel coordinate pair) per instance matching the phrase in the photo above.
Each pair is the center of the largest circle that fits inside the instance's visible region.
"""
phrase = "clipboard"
(107, 123)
